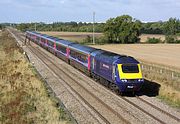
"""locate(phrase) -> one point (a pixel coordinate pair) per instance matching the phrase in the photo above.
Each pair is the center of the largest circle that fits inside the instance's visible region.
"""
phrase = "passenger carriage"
(79, 57)
(62, 49)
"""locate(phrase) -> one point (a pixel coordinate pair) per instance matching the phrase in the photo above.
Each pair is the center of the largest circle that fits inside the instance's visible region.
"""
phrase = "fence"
(168, 75)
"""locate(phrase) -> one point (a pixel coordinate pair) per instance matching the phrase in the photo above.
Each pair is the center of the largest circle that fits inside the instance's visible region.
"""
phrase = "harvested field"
(23, 96)
(164, 54)
(72, 36)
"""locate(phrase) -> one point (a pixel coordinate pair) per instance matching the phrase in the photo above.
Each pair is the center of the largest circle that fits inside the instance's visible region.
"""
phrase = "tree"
(122, 29)
(109, 29)
(152, 27)
(171, 27)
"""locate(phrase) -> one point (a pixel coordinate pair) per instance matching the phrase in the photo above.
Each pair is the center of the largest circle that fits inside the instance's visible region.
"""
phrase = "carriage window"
(43, 40)
(38, 39)
(50, 43)
(34, 37)
(79, 56)
(61, 48)
(73, 54)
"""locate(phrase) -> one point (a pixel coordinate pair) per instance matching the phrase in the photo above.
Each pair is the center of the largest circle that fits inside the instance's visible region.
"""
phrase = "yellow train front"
(129, 77)
(122, 72)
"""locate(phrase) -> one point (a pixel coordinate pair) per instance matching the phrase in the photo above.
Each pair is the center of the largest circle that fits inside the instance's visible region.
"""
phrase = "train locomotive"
(120, 73)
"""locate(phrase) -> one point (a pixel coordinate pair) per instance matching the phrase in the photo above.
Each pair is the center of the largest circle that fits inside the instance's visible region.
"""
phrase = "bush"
(87, 40)
(102, 40)
(171, 39)
(98, 40)
(1, 27)
(177, 41)
(153, 40)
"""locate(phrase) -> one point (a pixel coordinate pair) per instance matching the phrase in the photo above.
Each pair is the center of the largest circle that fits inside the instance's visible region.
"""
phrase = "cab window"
(130, 69)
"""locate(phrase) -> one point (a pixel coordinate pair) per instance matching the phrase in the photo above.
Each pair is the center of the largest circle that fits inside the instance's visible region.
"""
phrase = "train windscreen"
(130, 68)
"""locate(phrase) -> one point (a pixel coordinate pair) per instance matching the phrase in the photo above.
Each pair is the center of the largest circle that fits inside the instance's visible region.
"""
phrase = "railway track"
(99, 101)
(40, 54)
(135, 105)
(157, 108)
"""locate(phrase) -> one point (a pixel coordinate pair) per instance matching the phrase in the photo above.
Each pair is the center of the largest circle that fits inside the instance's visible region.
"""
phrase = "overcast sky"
(82, 10)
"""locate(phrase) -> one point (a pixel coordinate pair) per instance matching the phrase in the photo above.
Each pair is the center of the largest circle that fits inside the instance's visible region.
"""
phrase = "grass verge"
(23, 97)
(164, 87)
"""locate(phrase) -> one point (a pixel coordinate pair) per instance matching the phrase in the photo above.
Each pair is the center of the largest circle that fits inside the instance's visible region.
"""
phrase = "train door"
(113, 72)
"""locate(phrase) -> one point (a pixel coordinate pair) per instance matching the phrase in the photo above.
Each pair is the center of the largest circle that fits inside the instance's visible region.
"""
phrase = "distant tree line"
(170, 27)
(61, 26)
(152, 28)
(122, 29)
(146, 28)
(2, 26)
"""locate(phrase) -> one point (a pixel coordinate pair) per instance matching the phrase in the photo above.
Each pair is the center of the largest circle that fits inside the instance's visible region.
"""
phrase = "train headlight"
(141, 80)
(124, 80)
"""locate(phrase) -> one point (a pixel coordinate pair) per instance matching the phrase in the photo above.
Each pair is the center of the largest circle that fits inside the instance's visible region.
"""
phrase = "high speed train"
(120, 73)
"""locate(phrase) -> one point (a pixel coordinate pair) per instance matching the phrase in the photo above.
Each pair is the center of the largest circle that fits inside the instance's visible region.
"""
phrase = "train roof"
(128, 59)
(54, 38)
(107, 56)
(110, 57)
(64, 42)
(33, 32)
(82, 48)
(50, 38)
(44, 35)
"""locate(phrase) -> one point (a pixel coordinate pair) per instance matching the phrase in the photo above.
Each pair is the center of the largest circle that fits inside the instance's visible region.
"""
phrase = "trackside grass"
(168, 81)
(23, 96)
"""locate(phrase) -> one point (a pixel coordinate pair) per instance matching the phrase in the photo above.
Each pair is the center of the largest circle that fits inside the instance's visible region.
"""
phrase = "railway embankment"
(163, 81)
(23, 95)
